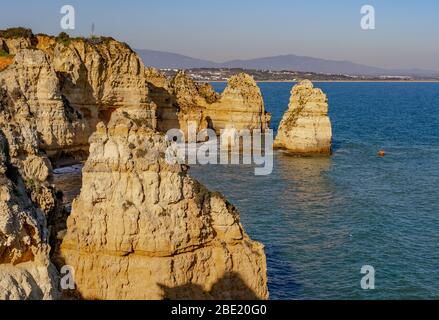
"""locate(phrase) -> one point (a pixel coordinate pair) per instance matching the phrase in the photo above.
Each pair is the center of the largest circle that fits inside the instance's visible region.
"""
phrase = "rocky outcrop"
(25, 269)
(305, 127)
(27, 199)
(36, 98)
(15, 39)
(143, 229)
(91, 78)
(71, 84)
(183, 100)
(240, 105)
(161, 94)
(100, 75)
(191, 102)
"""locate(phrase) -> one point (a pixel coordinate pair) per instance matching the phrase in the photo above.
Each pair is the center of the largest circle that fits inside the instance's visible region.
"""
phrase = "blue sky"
(406, 33)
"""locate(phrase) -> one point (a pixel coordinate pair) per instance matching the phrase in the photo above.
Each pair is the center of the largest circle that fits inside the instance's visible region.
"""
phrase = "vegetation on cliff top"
(63, 37)
(18, 32)
(66, 39)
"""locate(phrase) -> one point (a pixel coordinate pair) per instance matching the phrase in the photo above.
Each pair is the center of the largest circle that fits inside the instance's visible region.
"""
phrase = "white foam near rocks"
(76, 168)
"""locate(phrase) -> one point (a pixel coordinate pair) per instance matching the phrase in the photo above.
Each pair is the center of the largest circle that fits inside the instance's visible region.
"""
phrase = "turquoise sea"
(321, 219)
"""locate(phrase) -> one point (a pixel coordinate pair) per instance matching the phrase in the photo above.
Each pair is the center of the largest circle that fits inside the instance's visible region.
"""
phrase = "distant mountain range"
(167, 60)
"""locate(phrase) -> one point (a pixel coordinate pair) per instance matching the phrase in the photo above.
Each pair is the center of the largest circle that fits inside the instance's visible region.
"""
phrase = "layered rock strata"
(183, 100)
(99, 76)
(241, 105)
(143, 229)
(25, 268)
(34, 90)
(305, 127)
(72, 84)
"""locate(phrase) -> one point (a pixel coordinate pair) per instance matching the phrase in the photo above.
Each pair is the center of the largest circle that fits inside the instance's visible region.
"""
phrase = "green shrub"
(96, 40)
(63, 38)
(17, 32)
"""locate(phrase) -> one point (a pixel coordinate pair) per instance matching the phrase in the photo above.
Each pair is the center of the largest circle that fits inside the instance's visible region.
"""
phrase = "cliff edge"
(143, 229)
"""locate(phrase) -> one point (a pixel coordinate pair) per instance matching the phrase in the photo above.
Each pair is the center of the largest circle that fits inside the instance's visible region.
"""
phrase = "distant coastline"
(223, 74)
(341, 81)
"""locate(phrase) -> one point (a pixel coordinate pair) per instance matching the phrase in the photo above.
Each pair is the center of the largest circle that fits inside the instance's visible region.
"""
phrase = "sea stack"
(143, 229)
(240, 106)
(183, 100)
(305, 127)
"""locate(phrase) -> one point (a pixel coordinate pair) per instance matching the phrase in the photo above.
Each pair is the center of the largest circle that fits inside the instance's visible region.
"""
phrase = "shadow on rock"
(229, 287)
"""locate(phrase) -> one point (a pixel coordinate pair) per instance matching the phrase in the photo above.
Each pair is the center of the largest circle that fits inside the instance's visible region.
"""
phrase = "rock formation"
(143, 229)
(35, 93)
(305, 127)
(240, 105)
(190, 102)
(15, 39)
(27, 199)
(90, 78)
(182, 100)
(161, 94)
(71, 84)
(25, 269)
(99, 76)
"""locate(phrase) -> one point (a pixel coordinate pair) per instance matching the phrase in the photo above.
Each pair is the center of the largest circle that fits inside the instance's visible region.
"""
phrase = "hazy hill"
(162, 60)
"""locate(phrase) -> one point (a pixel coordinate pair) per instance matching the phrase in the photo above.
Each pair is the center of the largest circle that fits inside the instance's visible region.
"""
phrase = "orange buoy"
(381, 153)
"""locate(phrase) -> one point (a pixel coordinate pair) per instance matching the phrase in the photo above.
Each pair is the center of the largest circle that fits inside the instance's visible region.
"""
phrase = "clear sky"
(406, 34)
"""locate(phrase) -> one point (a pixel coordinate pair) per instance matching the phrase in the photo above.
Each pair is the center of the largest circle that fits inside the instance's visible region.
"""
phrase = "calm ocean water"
(322, 219)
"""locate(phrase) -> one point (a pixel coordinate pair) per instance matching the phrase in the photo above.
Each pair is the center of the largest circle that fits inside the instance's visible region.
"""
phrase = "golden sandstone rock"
(69, 86)
(34, 91)
(240, 105)
(182, 100)
(25, 269)
(143, 229)
(305, 127)
(26, 198)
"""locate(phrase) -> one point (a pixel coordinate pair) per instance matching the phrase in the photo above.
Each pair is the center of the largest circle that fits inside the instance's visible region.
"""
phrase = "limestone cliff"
(90, 78)
(143, 229)
(100, 75)
(15, 39)
(71, 84)
(191, 105)
(162, 95)
(35, 94)
(240, 105)
(27, 199)
(25, 269)
(305, 127)
(182, 100)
